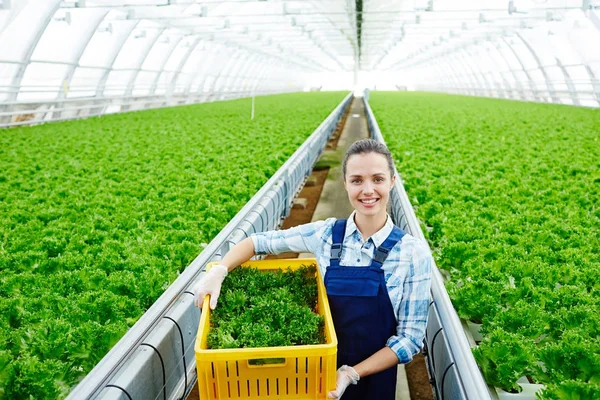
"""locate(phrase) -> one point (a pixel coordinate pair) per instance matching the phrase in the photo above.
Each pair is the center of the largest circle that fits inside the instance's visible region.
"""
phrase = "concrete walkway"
(334, 199)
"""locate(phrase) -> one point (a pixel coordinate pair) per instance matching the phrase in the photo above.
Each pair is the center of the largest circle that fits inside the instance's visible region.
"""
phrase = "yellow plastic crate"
(300, 372)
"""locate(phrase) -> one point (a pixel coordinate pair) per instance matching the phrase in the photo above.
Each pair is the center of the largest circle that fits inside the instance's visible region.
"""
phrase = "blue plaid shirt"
(407, 270)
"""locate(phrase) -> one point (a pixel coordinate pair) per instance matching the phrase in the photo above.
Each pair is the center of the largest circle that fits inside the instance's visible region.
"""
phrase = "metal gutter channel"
(155, 359)
(451, 364)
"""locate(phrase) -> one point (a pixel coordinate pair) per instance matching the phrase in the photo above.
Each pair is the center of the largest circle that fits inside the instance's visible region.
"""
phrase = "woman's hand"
(345, 376)
(210, 284)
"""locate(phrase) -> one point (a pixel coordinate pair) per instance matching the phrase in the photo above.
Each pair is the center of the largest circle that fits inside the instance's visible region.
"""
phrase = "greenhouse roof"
(53, 50)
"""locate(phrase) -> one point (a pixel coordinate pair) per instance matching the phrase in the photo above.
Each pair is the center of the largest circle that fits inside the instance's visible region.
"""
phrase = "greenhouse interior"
(142, 140)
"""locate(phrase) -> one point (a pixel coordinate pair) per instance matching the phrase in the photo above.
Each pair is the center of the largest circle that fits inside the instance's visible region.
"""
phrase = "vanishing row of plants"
(508, 195)
(99, 216)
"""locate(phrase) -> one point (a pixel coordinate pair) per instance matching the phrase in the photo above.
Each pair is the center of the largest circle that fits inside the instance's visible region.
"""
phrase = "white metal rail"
(36, 112)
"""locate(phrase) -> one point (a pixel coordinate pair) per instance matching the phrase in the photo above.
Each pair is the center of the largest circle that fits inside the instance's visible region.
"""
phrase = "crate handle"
(267, 362)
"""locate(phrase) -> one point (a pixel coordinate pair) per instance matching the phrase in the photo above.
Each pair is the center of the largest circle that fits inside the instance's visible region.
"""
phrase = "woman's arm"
(301, 239)
(238, 254)
(346, 376)
(414, 305)
(210, 284)
(380, 361)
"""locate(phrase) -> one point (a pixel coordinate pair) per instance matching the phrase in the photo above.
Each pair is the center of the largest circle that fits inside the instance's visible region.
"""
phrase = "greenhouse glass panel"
(7, 74)
(5, 17)
(578, 73)
(584, 38)
(85, 81)
(524, 54)
(43, 81)
(208, 82)
(189, 71)
(160, 52)
(144, 82)
(106, 43)
(564, 50)
(136, 46)
(178, 54)
(23, 30)
(582, 82)
(521, 77)
(497, 58)
(555, 74)
(198, 79)
(117, 81)
(509, 79)
(509, 56)
(62, 39)
(163, 83)
(538, 40)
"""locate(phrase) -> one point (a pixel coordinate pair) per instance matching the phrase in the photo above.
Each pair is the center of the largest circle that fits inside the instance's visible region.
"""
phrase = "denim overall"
(363, 315)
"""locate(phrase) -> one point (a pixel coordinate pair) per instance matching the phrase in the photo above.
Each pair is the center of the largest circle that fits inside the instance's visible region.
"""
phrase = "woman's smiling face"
(368, 182)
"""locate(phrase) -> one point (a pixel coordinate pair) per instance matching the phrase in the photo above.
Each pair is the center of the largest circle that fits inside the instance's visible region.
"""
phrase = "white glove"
(210, 284)
(345, 376)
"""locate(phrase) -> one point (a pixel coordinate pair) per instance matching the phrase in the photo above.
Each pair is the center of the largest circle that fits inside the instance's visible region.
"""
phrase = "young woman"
(377, 277)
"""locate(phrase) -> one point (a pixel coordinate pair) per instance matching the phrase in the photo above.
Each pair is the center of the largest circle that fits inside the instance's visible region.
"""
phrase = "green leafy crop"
(507, 194)
(99, 216)
(266, 309)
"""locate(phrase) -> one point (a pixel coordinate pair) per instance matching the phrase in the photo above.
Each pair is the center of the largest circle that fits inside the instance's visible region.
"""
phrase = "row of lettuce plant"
(508, 196)
(99, 216)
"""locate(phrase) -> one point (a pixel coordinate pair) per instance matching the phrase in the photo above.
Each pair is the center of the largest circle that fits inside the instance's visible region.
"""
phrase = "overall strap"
(383, 251)
(337, 238)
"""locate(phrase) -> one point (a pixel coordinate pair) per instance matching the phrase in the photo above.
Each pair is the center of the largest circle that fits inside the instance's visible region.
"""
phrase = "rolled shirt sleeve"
(300, 239)
(414, 304)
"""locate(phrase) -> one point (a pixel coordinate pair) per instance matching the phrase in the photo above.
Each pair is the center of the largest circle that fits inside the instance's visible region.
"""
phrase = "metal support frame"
(463, 65)
(206, 65)
(595, 83)
(247, 71)
(237, 71)
(18, 78)
(446, 75)
(508, 90)
(255, 76)
(78, 54)
(449, 73)
(511, 71)
(183, 62)
(132, 79)
(549, 85)
(465, 55)
(485, 73)
(569, 81)
(461, 59)
(154, 85)
(518, 58)
(232, 61)
(260, 78)
(227, 65)
(591, 14)
(470, 78)
(117, 51)
(204, 70)
(454, 72)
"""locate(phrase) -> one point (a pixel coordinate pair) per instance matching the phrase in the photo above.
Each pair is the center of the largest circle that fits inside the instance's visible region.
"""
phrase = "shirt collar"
(378, 237)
